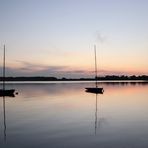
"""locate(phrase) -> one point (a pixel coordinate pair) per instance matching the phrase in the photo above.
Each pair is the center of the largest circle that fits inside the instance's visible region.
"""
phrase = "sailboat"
(95, 89)
(5, 92)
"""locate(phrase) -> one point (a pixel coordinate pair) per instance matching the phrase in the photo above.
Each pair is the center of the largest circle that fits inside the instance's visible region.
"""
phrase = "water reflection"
(96, 115)
(125, 82)
(64, 115)
(4, 118)
(97, 123)
(52, 89)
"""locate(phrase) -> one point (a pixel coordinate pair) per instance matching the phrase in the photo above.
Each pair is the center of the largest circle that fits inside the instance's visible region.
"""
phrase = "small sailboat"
(5, 92)
(95, 89)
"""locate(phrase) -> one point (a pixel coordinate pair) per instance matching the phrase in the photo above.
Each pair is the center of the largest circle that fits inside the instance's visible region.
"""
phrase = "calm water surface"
(63, 115)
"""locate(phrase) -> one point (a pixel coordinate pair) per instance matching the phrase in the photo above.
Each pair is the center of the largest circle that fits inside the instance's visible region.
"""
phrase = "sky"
(57, 37)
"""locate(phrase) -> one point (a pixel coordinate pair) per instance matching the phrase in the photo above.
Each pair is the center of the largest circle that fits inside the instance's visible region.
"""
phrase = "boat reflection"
(97, 122)
(4, 118)
(96, 115)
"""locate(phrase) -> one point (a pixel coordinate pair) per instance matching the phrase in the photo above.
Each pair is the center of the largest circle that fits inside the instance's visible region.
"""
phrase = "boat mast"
(4, 70)
(95, 65)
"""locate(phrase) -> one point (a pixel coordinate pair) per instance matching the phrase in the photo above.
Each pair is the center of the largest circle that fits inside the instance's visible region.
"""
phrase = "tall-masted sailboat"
(4, 91)
(95, 89)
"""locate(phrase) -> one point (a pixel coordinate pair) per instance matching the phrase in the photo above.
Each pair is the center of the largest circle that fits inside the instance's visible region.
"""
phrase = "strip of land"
(103, 78)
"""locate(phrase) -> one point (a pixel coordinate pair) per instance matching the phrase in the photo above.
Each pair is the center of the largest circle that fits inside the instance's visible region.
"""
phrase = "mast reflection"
(96, 107)
(4, 117)
(96, 115)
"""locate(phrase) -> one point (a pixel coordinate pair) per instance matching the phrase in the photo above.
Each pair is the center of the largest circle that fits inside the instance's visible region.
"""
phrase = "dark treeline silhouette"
(107, 77)
(122, 77)
(28, 78)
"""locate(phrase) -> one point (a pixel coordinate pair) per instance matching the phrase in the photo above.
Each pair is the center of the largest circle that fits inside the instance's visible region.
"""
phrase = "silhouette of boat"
(95, 89)
(9, 92)
(5, 92)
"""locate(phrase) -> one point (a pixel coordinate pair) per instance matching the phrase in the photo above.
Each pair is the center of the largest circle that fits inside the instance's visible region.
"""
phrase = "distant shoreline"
(104, 78)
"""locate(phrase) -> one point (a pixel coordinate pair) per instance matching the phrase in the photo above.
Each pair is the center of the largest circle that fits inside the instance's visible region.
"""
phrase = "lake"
(63, 115)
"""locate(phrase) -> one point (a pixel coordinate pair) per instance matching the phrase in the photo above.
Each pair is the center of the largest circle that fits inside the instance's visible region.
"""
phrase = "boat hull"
(8, 92)
(97, 90)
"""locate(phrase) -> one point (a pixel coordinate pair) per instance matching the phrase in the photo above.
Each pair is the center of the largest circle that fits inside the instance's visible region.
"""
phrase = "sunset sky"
(56, 37)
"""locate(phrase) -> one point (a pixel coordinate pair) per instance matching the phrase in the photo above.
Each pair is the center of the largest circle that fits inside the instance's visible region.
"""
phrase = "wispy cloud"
(31, 69)
(99, 37)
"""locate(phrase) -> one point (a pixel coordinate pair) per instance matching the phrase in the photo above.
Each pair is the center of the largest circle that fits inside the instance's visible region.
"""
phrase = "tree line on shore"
(107, 77)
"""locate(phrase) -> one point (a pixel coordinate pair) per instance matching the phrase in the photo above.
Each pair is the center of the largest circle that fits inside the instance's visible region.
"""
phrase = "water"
(63, 115)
